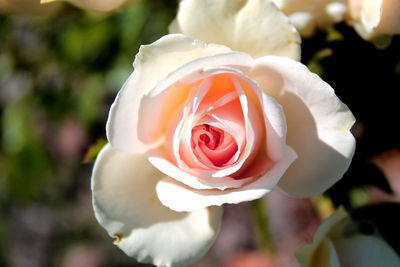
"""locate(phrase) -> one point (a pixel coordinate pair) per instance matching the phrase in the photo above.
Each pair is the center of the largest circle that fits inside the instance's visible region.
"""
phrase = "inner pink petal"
(213, 143)
(220, 88)
(219, 130)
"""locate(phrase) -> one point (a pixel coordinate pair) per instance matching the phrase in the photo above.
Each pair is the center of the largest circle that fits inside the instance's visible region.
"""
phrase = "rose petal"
(163, 100)
(249, 99)
(337, 218)
(256, 27)
(309, 15)
(152, 64)
(322, 252)
(318, 124)
(371, 13)
(374, 19)
(276, 128)
(381, 16)
(365, 251)
(335, 246)
(160, 162)
(304, 22)
(180, 197)
(126, 205)
(390, 22)
(322, 255)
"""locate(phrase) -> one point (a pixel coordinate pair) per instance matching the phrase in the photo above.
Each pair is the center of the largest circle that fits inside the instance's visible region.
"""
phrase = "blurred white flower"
(375, 18)
(252, 26)
(339, 243)
(310, 15)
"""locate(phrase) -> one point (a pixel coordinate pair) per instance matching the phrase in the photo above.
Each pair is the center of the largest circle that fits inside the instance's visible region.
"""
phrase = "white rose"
(338, 243)
(252, 26)
(310, 15)
(375, 18)
(199, 125)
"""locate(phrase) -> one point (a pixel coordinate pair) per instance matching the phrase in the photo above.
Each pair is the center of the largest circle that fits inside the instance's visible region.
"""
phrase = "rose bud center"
(213, 144)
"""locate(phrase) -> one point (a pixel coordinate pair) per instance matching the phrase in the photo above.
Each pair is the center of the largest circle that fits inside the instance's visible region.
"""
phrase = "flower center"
(208, 135)
(212, 144)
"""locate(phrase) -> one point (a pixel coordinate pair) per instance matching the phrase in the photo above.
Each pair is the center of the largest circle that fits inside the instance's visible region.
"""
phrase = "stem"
(263, 231)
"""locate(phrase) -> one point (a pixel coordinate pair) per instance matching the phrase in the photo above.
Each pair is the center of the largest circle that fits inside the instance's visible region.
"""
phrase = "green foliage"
(26, 163)
(58, 76)
(94, 150)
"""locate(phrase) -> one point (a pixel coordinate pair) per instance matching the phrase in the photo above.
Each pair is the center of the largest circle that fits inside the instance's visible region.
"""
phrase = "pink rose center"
(213, 143)
(208, 135)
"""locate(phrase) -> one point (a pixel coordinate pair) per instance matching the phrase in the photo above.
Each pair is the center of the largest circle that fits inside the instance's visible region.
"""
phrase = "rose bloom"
(376, 18)
(339, 242)
(198, 125)
(372, 19)
(310, 15)
(256, 27)
(96, 5)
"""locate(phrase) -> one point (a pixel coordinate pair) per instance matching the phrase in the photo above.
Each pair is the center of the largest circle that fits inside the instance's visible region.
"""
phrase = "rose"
(308, 15)
(338, 242)
(371, 19)
(252, 26)
(375, 18)
(96, 5)
(214, 127)
(217, 126)
(198, 125)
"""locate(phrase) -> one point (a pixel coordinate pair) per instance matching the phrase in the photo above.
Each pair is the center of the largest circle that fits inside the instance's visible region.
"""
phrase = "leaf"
(93, 150)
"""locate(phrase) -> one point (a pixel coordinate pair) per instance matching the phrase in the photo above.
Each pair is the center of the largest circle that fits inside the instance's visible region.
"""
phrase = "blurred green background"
(59, 74)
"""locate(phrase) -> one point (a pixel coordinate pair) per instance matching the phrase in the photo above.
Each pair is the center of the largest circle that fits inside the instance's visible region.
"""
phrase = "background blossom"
(338, 242)
(375, 19)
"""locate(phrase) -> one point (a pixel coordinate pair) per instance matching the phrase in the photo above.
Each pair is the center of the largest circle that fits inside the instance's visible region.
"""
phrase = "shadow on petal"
(126, 205)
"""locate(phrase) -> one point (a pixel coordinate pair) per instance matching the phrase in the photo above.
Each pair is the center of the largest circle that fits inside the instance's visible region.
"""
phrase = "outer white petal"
(371, 13)
(253, 26)
(335, 246)
(323, 254)
(308, 15)
(318, 124)
(376, 20)
(152, 64)
(336, 10)
(390, 22)
(126, 205)
(304, 23)
(365, 251)
(180, 197)
(276, 127)
(160, 162)
(381, 16)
